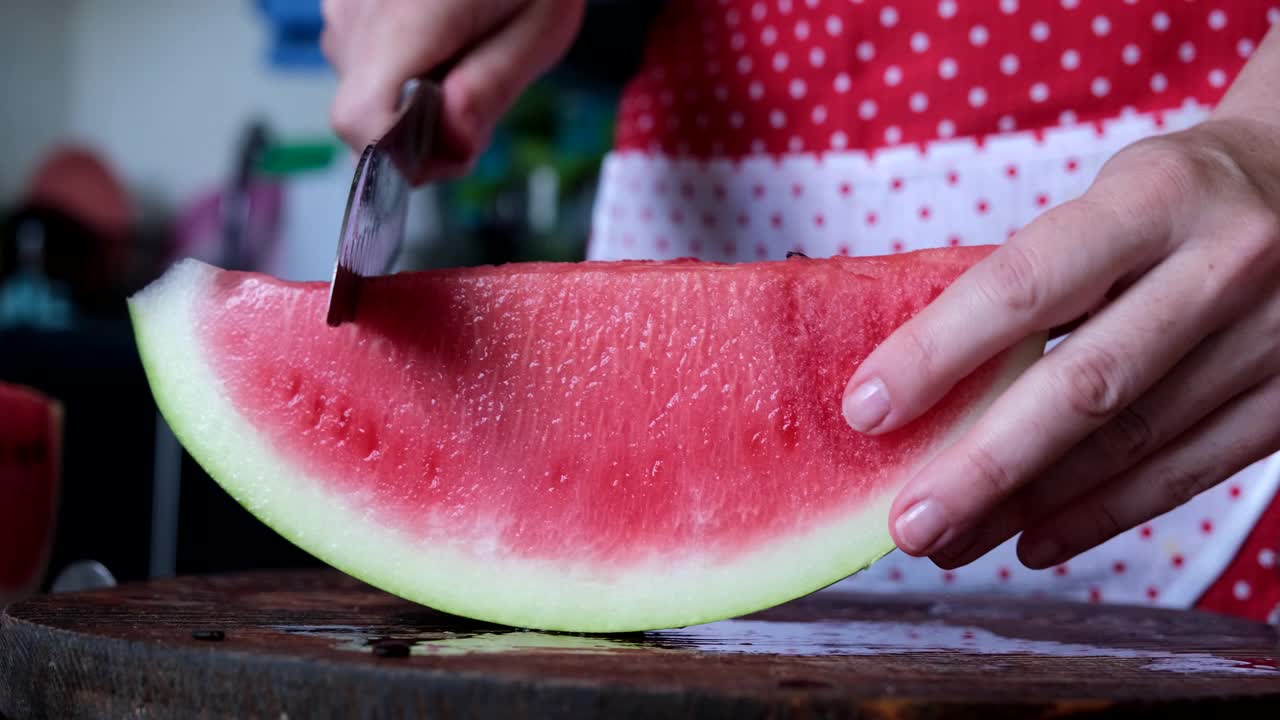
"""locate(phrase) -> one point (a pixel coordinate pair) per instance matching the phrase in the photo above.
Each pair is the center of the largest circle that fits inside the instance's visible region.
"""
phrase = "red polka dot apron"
(755, 127)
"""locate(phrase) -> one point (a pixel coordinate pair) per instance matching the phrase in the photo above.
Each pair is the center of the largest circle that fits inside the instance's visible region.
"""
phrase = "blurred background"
(137, 132)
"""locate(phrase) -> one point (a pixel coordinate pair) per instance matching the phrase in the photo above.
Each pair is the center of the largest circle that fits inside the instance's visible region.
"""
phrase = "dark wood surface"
(302, 645)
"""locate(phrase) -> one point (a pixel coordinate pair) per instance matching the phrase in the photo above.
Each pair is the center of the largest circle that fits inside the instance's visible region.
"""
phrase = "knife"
(374, 220)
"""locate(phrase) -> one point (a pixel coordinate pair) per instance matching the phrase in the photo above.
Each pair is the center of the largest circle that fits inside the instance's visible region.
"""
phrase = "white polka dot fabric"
(1170, 561)
(864, 127)
(854, 202)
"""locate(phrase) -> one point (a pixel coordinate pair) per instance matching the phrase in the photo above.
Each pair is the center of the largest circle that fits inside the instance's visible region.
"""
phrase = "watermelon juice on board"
(1128, 149)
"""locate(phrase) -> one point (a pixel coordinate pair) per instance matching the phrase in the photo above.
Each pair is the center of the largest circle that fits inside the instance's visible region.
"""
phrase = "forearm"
(1255, 95)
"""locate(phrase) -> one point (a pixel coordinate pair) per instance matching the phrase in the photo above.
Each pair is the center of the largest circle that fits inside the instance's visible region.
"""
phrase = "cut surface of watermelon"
(586, 447)
(30, 451)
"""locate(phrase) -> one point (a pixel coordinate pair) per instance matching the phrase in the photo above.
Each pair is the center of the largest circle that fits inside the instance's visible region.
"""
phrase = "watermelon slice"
(586, 447)
(30, 451)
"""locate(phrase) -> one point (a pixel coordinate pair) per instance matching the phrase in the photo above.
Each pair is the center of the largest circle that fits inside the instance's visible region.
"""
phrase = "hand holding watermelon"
(492, 50)
(1169, 386)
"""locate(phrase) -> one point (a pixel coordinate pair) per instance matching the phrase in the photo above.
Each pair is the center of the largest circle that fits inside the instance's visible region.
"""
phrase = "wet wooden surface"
(318, 644)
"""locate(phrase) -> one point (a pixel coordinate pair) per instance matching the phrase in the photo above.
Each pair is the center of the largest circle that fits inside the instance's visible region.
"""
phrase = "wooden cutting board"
(318, 644)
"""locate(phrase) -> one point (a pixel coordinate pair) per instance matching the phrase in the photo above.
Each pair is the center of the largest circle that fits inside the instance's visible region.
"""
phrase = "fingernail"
(867, 406)
(919, 528)
(1042, 553)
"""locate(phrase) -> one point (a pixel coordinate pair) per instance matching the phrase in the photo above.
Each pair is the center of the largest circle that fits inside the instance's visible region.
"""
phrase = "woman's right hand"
(495, 48)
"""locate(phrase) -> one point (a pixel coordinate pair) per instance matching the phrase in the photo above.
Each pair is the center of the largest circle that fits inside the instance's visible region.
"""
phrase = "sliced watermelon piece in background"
(586, 447)
(30, 455)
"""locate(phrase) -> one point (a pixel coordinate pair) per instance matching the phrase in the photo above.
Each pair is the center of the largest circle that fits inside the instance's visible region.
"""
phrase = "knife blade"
(377, 205)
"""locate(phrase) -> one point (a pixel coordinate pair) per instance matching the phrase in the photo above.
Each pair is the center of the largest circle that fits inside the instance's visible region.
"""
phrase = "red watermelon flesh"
(30, 450)
(590, 446)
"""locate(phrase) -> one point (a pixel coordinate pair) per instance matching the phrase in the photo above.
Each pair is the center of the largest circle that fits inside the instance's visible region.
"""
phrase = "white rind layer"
(484, 585)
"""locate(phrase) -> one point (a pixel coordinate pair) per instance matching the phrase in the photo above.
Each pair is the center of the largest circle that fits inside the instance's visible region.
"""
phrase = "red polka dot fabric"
(745, 77)
(865, 127)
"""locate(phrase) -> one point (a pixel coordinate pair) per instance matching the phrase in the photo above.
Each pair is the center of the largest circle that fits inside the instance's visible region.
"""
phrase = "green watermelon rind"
(466, 581)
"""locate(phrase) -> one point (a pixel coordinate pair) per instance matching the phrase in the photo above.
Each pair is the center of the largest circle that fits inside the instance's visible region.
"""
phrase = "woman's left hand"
(1169, 386)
